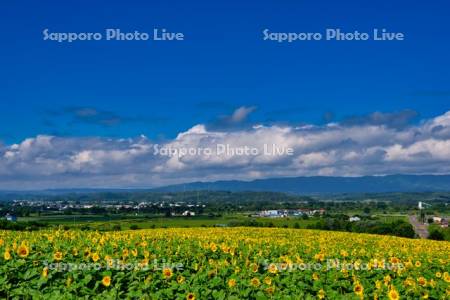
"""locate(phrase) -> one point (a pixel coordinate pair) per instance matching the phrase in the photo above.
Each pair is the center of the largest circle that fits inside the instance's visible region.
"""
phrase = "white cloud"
(241, 113)
(359, 148)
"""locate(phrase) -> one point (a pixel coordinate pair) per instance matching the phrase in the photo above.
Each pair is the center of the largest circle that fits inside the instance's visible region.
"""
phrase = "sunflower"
(255, 282)
(190, 296)
(23, 251)
(7, 255)
(180, 279)
(58, 256)
(319, 256)
(273, 268)
(225, 249)
(393, 294)
(422, 281)
(254, 267)
(95, 257)
(268, 280)
(270, 290)
(143, 263)
(358, 289)
(438, 274)
(432, 283)
(409, 282)
(418, 264)
(109, 261)
(213, 247)
(315, 276)
(394, 260)
(167, 273)
(45, 272)
(106, 281)
(134, 252)
(321, 294)
(446, 277)
(231, 283)
(408, 264)
(378, 284)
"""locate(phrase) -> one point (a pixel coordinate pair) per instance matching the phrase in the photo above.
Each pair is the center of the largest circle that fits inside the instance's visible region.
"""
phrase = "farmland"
(221, 263)
(105, 223)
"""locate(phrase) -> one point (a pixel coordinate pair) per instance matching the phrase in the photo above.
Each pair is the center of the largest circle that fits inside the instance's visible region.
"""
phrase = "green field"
(108, 222)
(102, 222)
(392, 217)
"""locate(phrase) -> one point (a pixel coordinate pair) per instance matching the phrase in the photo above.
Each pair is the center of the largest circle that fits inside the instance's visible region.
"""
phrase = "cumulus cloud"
(376, 147)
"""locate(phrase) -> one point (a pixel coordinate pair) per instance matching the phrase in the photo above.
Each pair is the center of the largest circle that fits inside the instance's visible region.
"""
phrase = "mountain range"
(293, 185)
(325, 184)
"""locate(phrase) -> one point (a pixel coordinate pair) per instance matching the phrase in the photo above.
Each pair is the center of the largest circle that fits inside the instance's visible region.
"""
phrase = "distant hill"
(293, 185)
(325, 184)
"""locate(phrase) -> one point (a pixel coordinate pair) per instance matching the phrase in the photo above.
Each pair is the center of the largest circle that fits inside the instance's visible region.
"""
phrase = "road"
(420, 228)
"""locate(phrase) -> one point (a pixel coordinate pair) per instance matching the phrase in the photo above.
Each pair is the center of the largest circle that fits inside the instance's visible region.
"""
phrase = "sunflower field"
(220, 263)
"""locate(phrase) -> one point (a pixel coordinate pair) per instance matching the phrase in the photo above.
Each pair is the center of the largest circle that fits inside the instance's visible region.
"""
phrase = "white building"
(437, 220)
(274, 213)
(188, 213)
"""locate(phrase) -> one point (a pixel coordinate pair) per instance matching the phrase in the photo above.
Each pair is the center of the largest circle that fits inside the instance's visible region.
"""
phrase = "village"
(290, 213)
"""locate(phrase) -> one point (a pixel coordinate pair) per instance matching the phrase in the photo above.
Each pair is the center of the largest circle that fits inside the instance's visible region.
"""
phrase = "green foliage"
(396, 228)
(436, 235)
(20, 226)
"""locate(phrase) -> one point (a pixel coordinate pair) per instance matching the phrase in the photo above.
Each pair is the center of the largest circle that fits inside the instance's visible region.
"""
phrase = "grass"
(184, 222)
(129, 221)
(102, 222)
(389, 218)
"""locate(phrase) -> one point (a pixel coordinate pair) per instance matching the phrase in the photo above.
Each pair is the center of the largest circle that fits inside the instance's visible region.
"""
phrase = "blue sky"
(223, 64)
(106, 89)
